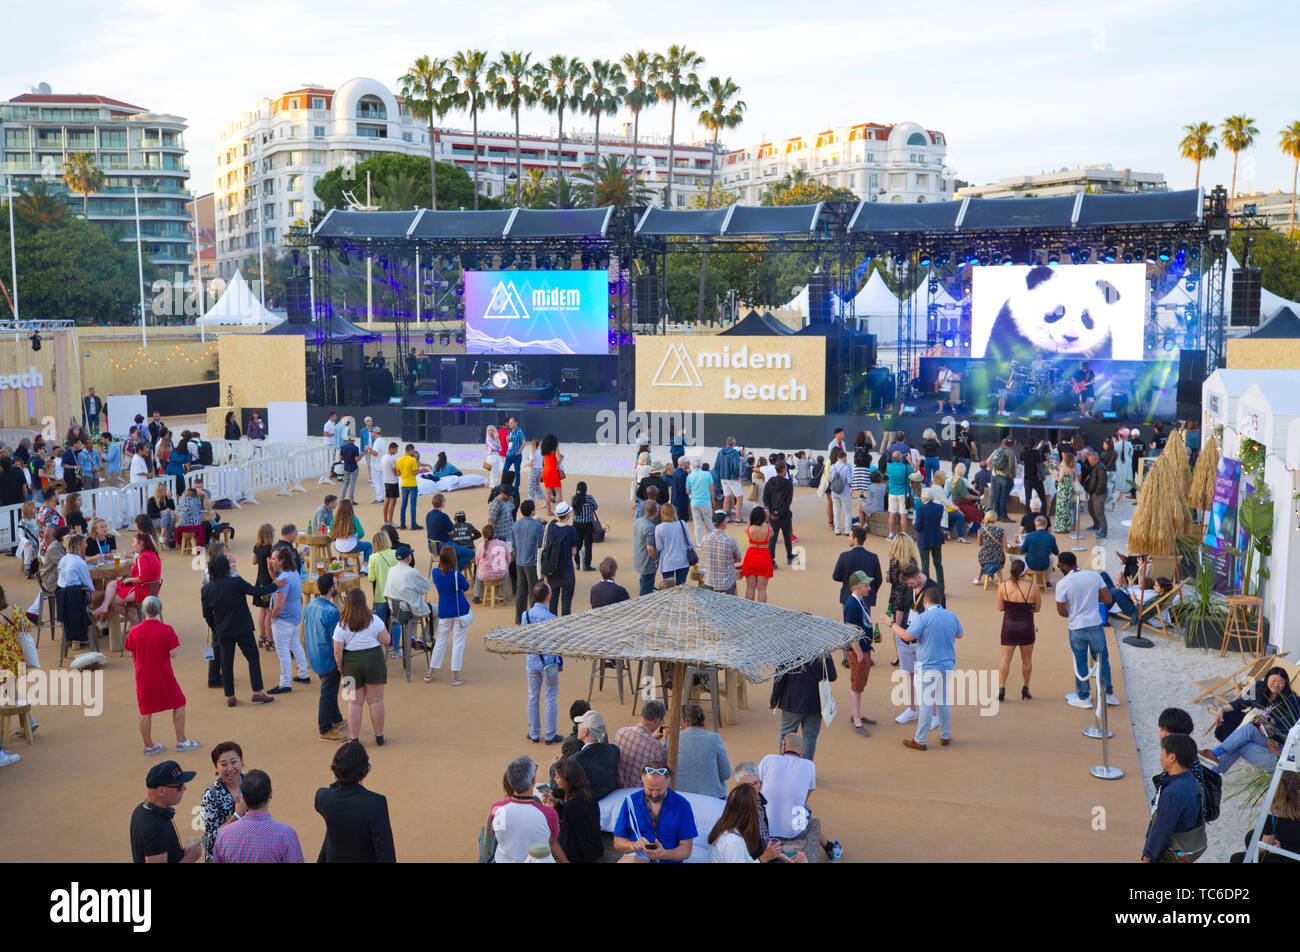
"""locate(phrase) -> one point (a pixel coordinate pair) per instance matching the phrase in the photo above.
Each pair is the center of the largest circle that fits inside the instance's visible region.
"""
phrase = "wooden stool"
(696, 576)
(193, 542)
(1001, 576)
(1242, 628)
(1038, 577)
(492, 593)
(713, 674)
(620, 668)
(23, 712)
(92, 632)
(656, 689)
(351, 561)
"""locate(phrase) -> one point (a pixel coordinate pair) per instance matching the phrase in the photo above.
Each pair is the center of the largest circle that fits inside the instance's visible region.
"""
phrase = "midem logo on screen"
(558, 299)
(506, 303)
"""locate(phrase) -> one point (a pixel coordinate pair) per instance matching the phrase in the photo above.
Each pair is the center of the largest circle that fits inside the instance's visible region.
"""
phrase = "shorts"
(731, 487)
(898, 504)
(390, 491)
(365, 667)
(858, 671)
(906, 654)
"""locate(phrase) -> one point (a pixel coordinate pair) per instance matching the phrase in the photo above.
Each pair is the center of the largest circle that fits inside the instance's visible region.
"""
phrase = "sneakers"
(397, 653)
(335, 735)
(7, 758)
(906, 717)
(1112, 700)
(1075, 701)
(279, 689)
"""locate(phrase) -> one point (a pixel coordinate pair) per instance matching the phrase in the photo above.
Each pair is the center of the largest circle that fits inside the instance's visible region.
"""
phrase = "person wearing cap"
(856, 613)
(560, 532)
(654, 481)
(721, 556)
(153, 826)
(599, 758)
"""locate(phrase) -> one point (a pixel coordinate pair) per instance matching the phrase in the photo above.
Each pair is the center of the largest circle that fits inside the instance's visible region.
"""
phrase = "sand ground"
(1013, 786)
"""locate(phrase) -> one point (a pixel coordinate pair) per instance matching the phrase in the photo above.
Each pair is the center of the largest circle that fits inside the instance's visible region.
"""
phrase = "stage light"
(1037, 414)
(1128, 257)
(460, 339)
(1054, 259)
(908, 409)
(925, 258)
(1109, 415)
(949, 341)
(980, 412)
(487, 401)
(444, 340)
(1169, 344)
(36, 340)
(1006, 260)
(455, 401)
(564, 399)
(428, 339)
(1109, 255)
(1164, 253)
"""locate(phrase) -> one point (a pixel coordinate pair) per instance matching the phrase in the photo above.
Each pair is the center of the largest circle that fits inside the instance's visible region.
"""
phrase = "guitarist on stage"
(1083, 379)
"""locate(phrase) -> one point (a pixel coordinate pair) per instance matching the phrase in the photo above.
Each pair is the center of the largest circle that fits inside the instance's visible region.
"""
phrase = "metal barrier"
(136, 496)
(1103, 771)
(13, 435)
(221, 482)
(107, 503)
(10, 516)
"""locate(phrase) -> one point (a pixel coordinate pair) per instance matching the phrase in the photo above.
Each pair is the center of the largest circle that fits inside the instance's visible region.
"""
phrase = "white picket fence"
(12, 436)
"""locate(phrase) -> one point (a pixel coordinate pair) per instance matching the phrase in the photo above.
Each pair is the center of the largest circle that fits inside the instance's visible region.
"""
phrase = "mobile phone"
(542, 787)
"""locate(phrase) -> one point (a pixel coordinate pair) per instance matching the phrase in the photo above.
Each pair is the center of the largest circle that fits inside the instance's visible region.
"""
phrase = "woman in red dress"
(153, 645)
(551, 475)
(756, 569)
(146, 570)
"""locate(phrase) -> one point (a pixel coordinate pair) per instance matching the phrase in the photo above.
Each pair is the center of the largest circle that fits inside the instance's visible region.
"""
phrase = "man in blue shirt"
(71, 478)
(535, 666)
(1039, 546)
(112, 457)
(726, 470)
(88, 462)
(438, 526)
(349, 453)
(1178, 808)
(286, 613)
(935, 632)
(655, 824)
(515, 449)
(699, 489)
(896, 474)
(319, 619)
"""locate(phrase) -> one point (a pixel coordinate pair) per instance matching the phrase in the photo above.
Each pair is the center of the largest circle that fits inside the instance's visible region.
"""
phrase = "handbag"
(487, 465)
(467, 619)
(827, 697)
(692, 557)
(1185, 847)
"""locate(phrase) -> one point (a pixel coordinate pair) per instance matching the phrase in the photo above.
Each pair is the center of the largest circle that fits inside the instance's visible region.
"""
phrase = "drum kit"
(505, 376)
(1032, 380)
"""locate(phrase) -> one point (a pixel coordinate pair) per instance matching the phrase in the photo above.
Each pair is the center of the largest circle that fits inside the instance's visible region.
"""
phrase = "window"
(318, 102)
(269, 236)
(295, 209)
(406, 137)
(917, 139)
(294, 184)
(920, 199)
(317, 206)
(372, 132)
(318, 131)
(917, 158)
(897, 181)
(851, 181)
(268, 211)
(317, 158)
(293, 102)
(681, 200)
(268, 187)
(371, 107)
(871, 157)
(826, 138)
(17, 138)
(295, 157)
(923, 182)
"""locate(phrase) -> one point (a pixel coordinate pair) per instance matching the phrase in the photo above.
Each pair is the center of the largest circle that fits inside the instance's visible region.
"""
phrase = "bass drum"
(500, 380)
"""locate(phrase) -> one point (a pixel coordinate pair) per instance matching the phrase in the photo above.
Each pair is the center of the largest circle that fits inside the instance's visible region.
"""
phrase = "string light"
(176, 351)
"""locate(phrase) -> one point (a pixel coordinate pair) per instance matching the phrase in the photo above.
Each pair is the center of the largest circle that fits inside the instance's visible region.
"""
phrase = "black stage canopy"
(757, 325)
(341, 331)
(1283, 324)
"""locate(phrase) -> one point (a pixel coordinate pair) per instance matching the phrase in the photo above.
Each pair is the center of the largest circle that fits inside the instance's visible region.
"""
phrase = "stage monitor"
(537, 312)
(1080, 311)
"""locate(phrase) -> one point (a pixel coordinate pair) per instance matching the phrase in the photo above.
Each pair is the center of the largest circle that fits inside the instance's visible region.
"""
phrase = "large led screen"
(537, 312)
(1081, 311)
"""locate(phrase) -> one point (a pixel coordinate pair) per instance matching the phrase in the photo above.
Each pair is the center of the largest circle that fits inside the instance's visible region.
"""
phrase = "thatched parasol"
(1180, 513)
(1156, 524)
(684, 626)
(1176, 450)
(1201, 493)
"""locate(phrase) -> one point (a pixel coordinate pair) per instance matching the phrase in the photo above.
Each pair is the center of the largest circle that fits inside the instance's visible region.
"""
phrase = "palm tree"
(470, 67)
(614, 185)
(509, 79)
(675, 78)
(559, 86)
(529, 191)
(39, 205)
(720, 108)
(398, 192)
(1238, 135)
(1290, 138)
(81, 175)
(604, 96)
(1197, 145)
(425, 94)
(640, 95)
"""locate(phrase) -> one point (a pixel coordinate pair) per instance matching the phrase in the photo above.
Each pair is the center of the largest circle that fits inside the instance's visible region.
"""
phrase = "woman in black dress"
(579, 815)
(262, 552)
(232, 428)
(1018, 602)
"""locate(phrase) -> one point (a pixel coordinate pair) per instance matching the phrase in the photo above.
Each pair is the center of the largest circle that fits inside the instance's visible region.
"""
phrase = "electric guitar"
(1082, 385)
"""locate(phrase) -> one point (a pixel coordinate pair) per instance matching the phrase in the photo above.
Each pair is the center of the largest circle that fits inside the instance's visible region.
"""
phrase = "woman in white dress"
(1123, 466)
(494, 460)
(374, 461)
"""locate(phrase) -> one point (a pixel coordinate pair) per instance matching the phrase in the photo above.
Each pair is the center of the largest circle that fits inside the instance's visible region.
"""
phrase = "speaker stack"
(1247, 285)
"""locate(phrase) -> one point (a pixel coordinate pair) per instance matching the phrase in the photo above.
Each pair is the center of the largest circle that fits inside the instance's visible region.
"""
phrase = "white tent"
(239, 305)
(875, 299)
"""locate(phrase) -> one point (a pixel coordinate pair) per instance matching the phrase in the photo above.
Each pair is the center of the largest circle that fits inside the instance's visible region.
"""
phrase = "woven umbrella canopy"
(1156, 524)
(1180, 512)
(1176, 450)
(684, 625)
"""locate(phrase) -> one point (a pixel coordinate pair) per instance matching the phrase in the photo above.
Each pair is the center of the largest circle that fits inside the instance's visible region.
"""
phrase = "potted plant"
(1201, 611)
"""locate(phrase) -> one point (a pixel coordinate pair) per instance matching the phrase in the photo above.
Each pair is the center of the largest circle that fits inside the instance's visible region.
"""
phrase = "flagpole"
(13, 248)
(139, 262)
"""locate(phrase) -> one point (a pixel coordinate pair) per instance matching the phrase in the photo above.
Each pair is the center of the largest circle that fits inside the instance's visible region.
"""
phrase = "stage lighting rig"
(36, 340)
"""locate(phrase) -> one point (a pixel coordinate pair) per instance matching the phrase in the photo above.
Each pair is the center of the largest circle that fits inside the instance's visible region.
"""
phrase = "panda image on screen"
(1056, 313)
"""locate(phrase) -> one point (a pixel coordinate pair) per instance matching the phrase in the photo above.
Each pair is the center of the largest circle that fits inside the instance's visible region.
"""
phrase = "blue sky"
(1017, 87)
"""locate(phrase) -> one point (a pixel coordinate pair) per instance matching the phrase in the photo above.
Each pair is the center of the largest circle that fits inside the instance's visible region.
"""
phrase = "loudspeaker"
(297, 298)
(820, 310)
(448, 378)
(1119, 403)
(1247, 284)
(1191, 375)
(352, 354)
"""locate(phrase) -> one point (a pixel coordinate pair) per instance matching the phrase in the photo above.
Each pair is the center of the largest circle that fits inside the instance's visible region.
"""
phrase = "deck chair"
(1228, 689)
(1151, 609)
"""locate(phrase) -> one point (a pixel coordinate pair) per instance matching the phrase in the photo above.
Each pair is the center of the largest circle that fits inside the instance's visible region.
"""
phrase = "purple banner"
(1221, 527)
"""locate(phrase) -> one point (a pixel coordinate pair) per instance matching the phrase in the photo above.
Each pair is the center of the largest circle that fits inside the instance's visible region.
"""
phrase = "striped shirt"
(588, 511)
(256, 838)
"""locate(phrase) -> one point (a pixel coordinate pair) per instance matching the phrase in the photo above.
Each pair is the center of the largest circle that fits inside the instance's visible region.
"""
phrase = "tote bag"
(827, 697)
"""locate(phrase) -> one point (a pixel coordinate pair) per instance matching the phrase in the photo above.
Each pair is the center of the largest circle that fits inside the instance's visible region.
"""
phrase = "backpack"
(551, 561)
(837, 480)
(861, 457)
(205, 453)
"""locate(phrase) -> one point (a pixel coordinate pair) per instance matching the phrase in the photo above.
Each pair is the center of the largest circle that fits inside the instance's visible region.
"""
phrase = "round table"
(104, 570)
(320, 550)
(344, 582)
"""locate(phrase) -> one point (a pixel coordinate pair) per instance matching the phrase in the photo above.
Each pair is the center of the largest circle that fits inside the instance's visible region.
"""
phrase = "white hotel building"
(897, 163)
(269, 159)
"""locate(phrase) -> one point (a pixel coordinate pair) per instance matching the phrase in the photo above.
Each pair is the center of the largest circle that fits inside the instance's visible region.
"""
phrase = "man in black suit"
(357, 828)
(156, 427)
(598, 757)
(858, 559)
(1032, 458)
(607, 591)
(91, 406)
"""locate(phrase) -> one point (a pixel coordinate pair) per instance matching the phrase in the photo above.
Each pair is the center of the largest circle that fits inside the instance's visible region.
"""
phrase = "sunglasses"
(661, 771)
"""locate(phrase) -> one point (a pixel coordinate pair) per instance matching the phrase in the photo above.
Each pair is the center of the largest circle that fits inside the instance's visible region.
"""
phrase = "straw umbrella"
(1155, 526)
(684, 626)
(1176, 450)
(1201, 493)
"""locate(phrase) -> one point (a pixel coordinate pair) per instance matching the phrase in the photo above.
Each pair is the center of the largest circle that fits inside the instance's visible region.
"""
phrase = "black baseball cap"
(167, 774)
(719, 517)
(404, 551)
